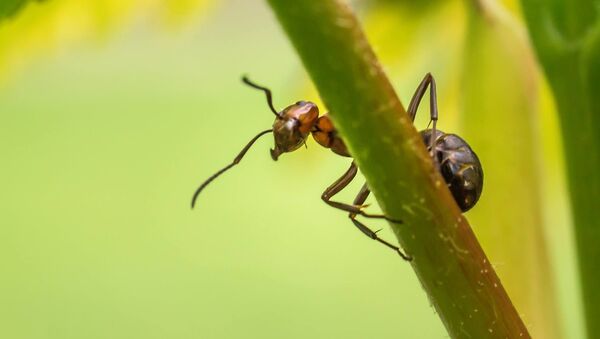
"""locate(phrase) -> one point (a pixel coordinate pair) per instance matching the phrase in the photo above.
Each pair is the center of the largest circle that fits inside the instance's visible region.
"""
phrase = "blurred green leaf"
(565, 35)
(499, 118)
(10, 7)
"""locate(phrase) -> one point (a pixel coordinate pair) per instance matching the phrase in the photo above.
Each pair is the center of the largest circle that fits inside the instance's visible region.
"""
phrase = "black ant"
(457, 162)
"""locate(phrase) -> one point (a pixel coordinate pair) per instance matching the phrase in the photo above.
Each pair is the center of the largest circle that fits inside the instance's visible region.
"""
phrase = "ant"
(454, 158)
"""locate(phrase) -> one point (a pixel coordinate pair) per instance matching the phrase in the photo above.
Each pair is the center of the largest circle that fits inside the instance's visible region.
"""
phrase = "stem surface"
(457, 276)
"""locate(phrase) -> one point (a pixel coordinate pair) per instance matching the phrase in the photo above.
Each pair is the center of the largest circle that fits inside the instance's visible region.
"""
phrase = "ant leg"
(339, 185)
(433, 109)
(267, 93)
(235, 161)
(359, 200)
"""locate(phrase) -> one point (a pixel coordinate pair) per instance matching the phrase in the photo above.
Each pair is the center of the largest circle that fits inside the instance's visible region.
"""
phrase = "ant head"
(292, 126)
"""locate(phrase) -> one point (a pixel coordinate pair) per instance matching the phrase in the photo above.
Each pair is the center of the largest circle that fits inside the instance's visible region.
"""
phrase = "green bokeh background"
(103, 144)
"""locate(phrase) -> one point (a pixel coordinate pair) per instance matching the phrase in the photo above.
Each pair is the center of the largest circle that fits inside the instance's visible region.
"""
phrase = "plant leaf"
(500, 120)
(565, 35)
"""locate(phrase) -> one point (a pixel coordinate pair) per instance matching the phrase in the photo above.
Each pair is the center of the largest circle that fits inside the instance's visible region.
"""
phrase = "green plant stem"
(570, 55)
(461, 284)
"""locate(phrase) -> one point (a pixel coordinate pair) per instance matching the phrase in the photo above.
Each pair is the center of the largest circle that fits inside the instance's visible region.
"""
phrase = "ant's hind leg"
(359, 200)
(339, 185)
(428, 81)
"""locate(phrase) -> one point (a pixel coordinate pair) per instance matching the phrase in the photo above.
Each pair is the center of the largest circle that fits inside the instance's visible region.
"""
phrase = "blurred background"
(112, 112)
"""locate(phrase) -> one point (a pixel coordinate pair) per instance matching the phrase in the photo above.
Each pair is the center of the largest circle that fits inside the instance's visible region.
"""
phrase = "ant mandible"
(454, 158)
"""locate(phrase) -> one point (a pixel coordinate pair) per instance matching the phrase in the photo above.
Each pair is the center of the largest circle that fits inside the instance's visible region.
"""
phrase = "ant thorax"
(326, 135)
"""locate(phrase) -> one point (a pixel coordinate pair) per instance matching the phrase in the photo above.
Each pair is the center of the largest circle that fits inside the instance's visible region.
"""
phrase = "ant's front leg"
(359, 200)
(339, 185)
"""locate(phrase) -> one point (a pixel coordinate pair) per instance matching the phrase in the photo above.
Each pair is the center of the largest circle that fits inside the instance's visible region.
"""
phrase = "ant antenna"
(233, 163)
(267, 93)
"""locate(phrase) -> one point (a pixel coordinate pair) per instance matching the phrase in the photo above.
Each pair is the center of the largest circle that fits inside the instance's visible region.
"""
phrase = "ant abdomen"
(459, 166)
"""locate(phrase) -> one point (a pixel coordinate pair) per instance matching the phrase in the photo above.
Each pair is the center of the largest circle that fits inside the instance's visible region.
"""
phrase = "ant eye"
(300, 103)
